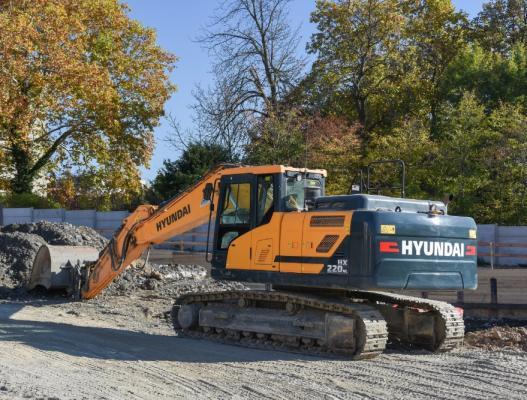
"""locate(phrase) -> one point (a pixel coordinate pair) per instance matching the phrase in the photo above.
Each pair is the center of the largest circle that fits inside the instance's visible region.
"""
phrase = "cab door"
(266, 234)
(291, 241)
(235, 221)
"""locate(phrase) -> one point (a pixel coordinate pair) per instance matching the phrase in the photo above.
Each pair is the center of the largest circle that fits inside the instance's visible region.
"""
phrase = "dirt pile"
(17, 252)
(167, 281)
(496, 335)
(19, 244)
(60, 234)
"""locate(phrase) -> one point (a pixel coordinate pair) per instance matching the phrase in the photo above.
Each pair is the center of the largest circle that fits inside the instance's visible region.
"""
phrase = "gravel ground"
(124, 348)
(121, 345)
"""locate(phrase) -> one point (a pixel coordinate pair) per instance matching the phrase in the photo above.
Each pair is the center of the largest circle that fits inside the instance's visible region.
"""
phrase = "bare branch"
(255, 66)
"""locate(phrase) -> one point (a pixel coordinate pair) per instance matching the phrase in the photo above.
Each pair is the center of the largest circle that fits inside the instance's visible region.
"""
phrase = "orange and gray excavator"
(332, 266)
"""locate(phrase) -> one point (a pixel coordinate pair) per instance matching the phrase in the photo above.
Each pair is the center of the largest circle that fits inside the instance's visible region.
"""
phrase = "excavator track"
(351, 329)
(415, 321)
(407, 320)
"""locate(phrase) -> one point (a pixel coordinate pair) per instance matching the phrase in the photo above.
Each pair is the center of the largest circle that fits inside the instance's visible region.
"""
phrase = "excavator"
(329, 269)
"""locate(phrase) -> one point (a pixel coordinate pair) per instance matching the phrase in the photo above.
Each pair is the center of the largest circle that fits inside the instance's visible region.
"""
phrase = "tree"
(82, 85)
(483, 160)
(501, 25)
(412, 143)
(494, 78)
(436, 34)
(380, 61)
(299, 139)
(255, 65)
(278, 140)
(357, 48)
(177, 175)
(90, 189)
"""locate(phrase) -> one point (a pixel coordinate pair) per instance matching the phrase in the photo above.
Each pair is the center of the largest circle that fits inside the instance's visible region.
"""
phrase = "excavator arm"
(149, 225)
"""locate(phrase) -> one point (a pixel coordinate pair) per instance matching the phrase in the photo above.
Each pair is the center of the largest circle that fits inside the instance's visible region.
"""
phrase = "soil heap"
(167, 281)
(19, 244)
(497, 334)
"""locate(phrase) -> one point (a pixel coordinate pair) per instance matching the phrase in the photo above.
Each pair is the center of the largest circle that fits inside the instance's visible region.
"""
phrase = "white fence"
(497, 245)
(502, 245)
(105, 222)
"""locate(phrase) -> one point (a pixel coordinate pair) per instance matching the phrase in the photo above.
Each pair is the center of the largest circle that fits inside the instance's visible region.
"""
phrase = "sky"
(178, 23)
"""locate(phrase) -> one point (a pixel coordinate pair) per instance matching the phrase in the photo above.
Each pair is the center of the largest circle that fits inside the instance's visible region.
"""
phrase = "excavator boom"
(149, 225)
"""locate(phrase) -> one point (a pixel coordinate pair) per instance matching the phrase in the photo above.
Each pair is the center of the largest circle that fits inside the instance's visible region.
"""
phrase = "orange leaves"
(83, 78)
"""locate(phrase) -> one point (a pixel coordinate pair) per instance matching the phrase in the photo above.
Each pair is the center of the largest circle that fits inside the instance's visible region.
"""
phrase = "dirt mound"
(60, 234)
(167, 281)
(17, 252)
(19, 244)
(495, 335)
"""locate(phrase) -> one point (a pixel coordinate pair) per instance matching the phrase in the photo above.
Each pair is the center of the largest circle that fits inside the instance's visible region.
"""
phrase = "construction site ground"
(122, 346)
(125, 348)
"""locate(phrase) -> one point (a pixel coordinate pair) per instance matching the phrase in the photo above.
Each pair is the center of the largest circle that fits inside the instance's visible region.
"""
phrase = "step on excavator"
(330, 265)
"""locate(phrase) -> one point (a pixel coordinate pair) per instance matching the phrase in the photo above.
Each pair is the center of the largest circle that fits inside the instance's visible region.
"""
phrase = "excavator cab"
(250, 214)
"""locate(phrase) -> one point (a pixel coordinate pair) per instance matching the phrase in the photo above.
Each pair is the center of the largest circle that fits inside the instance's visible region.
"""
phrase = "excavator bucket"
(54, 266)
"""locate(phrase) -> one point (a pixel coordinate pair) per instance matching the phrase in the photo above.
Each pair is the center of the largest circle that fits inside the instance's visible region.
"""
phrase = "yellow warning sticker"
(388, 229)
(472, 233)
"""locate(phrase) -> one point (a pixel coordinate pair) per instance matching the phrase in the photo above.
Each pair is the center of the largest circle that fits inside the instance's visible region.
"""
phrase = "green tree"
(380, 62)
(81, 84)
(358, 55)
(494, 78)
(412, 143)
(482, 160)
(436, 34)
(501, 25)
(195, 161)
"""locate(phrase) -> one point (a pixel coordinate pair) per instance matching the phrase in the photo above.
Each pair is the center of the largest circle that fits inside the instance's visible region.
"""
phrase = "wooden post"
(461, 297)
(491, 255)
(493, 291)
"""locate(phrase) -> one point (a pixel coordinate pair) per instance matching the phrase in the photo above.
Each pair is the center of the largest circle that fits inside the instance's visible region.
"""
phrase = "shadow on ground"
(117, 344)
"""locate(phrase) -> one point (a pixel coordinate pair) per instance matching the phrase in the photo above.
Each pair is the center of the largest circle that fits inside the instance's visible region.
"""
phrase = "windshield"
(301, 193)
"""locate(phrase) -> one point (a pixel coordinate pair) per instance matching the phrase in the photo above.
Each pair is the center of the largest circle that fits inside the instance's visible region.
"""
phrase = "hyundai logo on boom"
(173, 217)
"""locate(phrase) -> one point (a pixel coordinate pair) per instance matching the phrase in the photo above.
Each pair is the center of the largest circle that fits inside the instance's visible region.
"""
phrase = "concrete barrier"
(104, 222)
(497, 245)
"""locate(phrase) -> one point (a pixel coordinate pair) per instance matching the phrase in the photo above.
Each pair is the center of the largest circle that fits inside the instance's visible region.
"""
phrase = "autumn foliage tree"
(82, 86)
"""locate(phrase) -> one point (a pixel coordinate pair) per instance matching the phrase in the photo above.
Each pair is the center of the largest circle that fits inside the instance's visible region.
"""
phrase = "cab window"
(237, 204)
(235, 213)
(265, 199)
(300, 192)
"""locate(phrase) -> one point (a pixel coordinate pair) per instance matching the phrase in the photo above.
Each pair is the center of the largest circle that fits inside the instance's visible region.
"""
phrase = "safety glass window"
(237, 204)
(265, 199)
